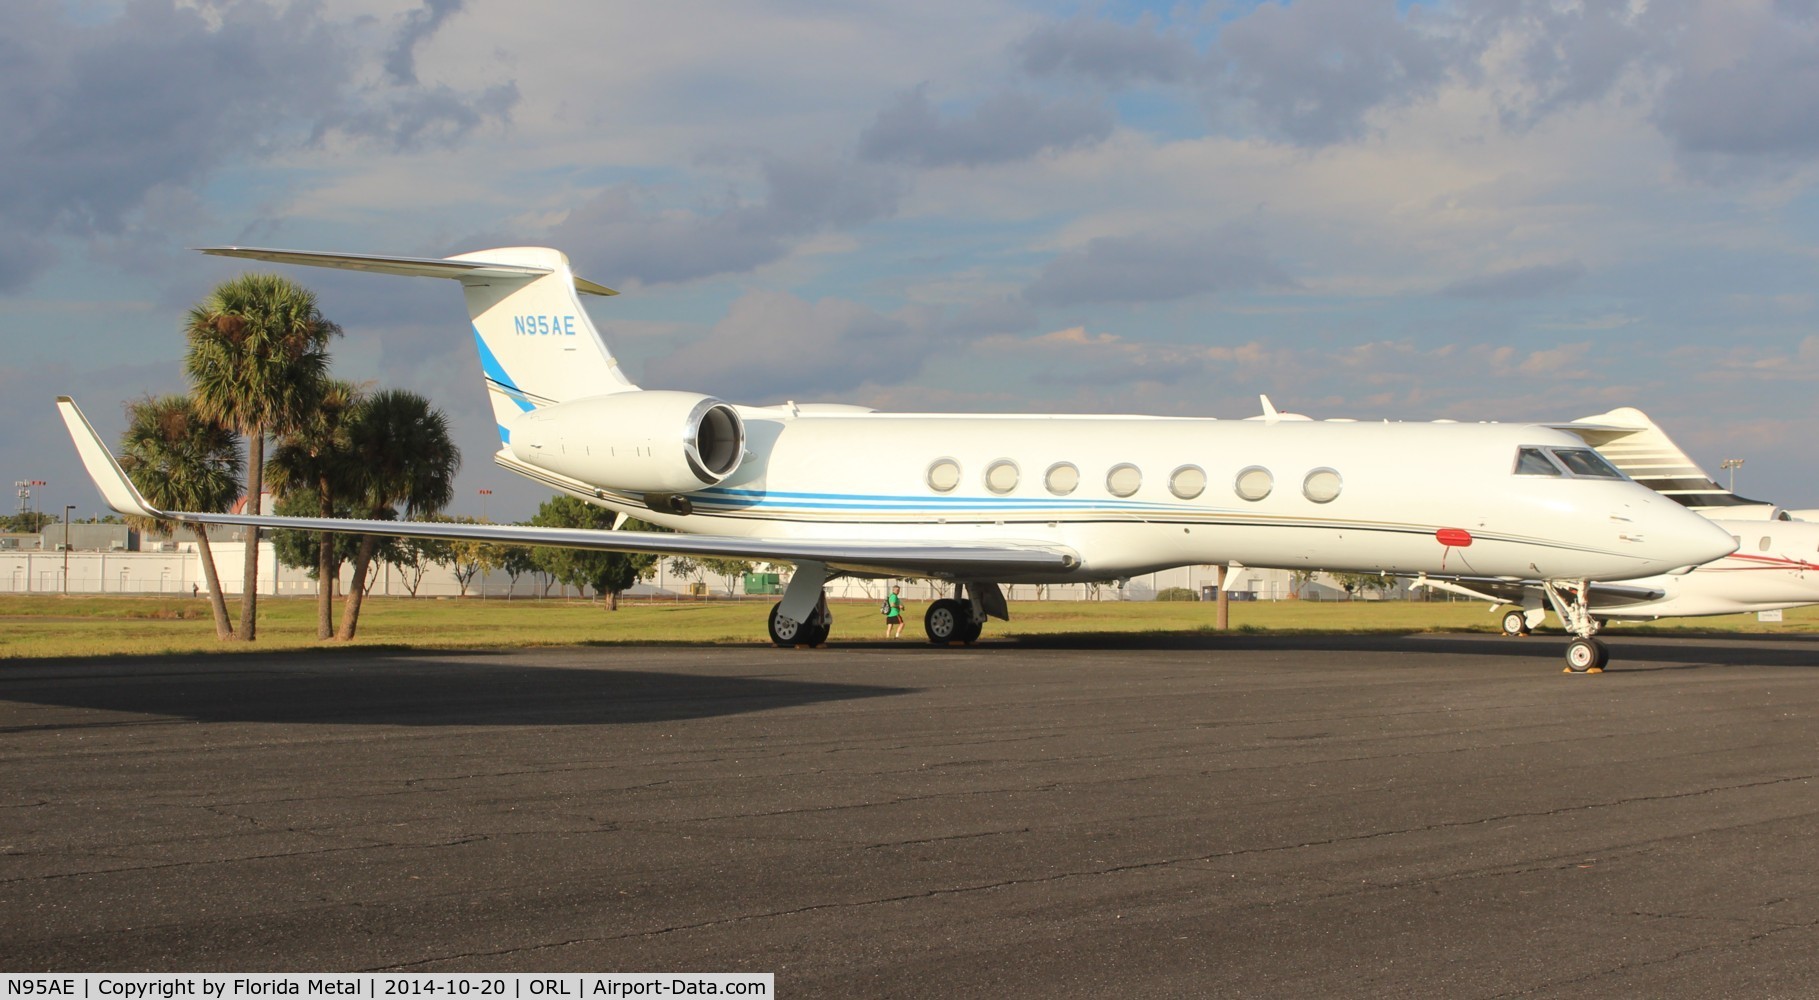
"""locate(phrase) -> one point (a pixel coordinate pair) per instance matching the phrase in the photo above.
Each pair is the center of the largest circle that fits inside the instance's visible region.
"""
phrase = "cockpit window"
(1586, 462)
(1534, 462)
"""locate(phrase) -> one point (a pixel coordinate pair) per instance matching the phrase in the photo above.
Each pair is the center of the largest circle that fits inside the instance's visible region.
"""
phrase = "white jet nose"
(1679, 539)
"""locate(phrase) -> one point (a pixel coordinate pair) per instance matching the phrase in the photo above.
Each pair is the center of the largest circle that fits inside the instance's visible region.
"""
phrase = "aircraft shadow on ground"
(1628, 652)
(403, 690)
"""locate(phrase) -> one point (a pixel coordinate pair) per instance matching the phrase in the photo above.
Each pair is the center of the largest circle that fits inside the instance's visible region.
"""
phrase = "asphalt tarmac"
(1235, 815)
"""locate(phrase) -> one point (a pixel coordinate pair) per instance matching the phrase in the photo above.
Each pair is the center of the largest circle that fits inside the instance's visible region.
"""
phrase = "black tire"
(1515, 622)
(815, 633)
(1585, 655)
(945, 621)
(783, 631)
(969, 630)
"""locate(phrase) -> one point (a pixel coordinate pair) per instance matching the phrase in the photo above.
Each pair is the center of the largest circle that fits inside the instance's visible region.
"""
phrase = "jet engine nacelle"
(649, 441)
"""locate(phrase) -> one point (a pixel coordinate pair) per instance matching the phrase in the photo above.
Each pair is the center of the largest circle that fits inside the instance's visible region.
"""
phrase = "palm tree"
(257, 362)
(314, 455)
(181, 460)
(403, 455)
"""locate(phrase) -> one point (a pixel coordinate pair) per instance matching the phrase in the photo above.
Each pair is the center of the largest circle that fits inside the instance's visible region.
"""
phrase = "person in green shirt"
(893, 614)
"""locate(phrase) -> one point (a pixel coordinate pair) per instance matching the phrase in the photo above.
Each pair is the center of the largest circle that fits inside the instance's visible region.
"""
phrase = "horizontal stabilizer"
(419, 267)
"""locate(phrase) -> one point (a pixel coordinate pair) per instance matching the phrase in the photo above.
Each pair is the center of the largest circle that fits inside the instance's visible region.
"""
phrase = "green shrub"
(1177, 594)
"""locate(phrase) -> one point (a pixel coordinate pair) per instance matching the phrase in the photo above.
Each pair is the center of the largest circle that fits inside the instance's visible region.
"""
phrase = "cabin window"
(944, 475)
(1062, 478)
(1123, 480)
(1534, 462)
(1187, 482)
(1322, 486)
(1763, 545)
(1586, 462)
(1001, 476)
(1254, 483)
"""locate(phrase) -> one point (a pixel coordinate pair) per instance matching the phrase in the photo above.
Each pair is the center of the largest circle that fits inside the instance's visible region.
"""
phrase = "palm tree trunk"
(255, 479)
(326, 571)
(350, 612)
(217, 602)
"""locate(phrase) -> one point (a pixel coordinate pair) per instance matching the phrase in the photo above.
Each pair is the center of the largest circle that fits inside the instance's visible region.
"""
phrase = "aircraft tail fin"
(537, 345)
(1643, 451)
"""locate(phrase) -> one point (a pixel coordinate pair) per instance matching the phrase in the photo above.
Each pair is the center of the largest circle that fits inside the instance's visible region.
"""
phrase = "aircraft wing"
(1499, 591)
(861, 555)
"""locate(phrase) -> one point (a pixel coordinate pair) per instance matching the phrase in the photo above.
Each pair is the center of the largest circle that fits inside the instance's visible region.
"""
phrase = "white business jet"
(985, 500)
(1776, 564)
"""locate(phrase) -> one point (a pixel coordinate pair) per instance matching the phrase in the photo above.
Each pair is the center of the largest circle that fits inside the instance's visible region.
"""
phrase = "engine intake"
(650, 441)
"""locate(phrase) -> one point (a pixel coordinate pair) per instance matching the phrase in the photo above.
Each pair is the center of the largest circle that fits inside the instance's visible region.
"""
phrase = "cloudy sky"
(1478, 210)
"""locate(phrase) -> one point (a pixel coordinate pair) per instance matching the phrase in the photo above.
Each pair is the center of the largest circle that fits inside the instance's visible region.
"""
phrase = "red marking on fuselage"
(1454, 538)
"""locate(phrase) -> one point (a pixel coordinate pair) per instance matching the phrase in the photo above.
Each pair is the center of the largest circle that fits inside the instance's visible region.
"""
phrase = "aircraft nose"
(1685, 539)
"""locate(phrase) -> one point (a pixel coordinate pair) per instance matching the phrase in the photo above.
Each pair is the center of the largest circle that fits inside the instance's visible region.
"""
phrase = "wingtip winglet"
(106, 472)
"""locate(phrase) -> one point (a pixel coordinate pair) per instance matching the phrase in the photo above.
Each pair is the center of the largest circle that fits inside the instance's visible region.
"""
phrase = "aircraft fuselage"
(1133, 494)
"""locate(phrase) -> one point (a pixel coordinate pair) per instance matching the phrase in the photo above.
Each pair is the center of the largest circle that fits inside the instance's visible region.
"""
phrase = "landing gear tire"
(1586, 656)
(946, 621)
(969, 631)
(1515, 622)
(788, 632)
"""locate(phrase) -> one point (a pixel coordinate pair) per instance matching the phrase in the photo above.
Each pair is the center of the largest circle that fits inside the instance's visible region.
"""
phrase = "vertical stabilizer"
(537, 345)
(1643, 451)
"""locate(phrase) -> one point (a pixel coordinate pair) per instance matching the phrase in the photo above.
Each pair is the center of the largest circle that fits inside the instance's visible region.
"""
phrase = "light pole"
(1732, 465)
(67, 508)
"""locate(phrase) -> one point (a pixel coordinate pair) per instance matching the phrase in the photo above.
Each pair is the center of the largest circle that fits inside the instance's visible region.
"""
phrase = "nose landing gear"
(1584, 655)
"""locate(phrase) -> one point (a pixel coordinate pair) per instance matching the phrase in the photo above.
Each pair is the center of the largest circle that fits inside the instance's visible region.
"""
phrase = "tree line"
(257, 361)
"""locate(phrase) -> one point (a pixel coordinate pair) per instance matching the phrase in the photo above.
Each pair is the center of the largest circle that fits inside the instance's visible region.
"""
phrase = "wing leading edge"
(859, 555)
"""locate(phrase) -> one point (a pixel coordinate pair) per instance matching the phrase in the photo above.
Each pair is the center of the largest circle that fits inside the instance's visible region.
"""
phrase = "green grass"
(51, 626)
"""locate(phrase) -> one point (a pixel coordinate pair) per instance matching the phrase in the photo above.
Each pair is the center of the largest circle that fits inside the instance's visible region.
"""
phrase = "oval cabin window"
(1001, 476)
(944, 475)
(1187, 482)
(1062, 478)
(1123, 480)
(1254, 483)
(1321, 486)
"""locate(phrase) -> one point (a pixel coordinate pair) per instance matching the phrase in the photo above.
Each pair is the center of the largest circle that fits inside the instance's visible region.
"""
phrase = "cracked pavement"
(1239, 815)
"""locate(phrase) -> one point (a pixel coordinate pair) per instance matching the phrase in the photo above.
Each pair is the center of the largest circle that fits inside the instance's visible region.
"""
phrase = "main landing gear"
(1515, 622)
(959, 620)
(1584, 655)
(950, 621)
(802, 618)
(786, 631)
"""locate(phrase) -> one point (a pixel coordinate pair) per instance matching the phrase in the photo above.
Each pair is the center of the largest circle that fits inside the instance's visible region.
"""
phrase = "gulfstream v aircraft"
(985, 500)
